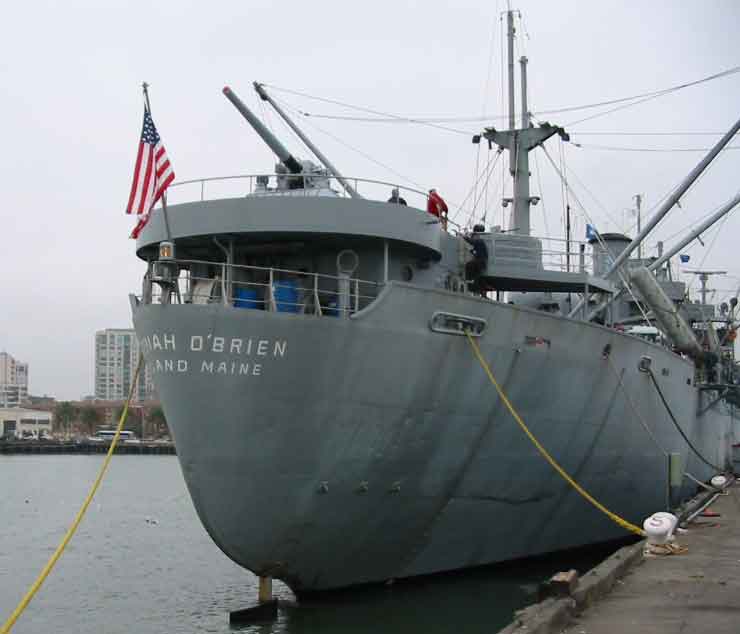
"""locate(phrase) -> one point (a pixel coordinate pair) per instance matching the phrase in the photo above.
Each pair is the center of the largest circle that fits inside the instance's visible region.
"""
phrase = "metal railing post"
(357, 295)
(202, 190)
(316, 302)
(224, 299)
(271, 296)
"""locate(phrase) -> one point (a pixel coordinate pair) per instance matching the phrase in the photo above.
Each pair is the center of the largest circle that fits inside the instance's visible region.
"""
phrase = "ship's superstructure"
(331, 421)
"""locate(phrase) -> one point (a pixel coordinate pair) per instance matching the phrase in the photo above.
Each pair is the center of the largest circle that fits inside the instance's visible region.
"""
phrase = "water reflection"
(123, 572)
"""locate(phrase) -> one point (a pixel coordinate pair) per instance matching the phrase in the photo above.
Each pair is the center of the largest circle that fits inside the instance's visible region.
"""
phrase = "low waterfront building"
(19, 422)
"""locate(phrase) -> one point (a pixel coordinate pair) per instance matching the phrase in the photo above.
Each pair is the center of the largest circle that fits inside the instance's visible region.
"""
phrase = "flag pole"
(145, 88)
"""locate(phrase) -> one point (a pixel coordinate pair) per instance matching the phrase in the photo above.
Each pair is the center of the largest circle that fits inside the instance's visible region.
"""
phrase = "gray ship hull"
(330, 452)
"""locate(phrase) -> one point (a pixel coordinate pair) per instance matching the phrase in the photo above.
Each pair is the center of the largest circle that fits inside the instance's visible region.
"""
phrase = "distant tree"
(64, 414)
(158, 422)
(91, 418)
(133, 420)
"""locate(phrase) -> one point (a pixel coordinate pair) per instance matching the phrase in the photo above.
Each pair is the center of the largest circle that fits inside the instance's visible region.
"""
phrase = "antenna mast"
(511, 31)
(704, 278)
(519, 142)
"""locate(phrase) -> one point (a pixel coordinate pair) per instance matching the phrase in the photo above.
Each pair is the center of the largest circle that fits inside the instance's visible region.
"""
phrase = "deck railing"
(559, 255)
(257, 288)
(215, 187)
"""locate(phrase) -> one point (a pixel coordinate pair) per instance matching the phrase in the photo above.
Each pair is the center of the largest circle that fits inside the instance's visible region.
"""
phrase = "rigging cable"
(563, 187)
(594, 133)
(633, 406)
(545, 454)
(693, 185)
(708, 251)
(616, 148)
(390, 118)
(503, 109)
(692, 224)
(491, 43)
(476, 174)
(485, 200)
(350, 147)
(678, 427)
(486, 170)
(653, 95)
(542, 195)
(627, 285)
(594, 198)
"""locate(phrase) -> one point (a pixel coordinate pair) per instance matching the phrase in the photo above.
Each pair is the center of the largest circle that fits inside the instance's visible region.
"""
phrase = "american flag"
(152, 174)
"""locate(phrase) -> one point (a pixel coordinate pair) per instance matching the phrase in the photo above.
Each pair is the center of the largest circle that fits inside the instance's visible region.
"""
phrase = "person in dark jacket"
(479, 263)
(396, 198)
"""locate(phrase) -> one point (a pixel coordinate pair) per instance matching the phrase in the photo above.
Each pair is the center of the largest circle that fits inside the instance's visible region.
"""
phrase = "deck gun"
(286, 158)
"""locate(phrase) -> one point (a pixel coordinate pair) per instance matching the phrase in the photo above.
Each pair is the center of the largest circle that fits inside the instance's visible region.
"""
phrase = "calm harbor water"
(142, 562)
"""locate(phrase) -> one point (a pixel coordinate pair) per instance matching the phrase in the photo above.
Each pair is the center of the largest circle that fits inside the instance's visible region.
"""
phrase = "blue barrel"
(246, 298)
(286, 296)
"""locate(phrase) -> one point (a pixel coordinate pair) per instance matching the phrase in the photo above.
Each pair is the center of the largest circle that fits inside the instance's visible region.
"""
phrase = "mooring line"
(5, 629)
(678, 427)
(613, 516)
(645, 426)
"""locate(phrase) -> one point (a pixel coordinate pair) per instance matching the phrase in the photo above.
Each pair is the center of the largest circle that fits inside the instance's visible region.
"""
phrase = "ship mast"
(519, 142)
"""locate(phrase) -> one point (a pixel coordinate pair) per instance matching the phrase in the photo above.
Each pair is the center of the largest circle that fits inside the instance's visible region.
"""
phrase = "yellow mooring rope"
(613, 516)
(5, 629)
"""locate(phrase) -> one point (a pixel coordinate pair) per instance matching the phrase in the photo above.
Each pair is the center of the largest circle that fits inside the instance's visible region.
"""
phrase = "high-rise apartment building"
(116, 354)
(13, 381)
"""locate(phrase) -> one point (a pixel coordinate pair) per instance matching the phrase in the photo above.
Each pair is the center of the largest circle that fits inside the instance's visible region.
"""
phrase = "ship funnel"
(666, 313)
(286, 158)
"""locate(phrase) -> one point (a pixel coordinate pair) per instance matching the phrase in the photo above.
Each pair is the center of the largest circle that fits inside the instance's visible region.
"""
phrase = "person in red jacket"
(437, 207)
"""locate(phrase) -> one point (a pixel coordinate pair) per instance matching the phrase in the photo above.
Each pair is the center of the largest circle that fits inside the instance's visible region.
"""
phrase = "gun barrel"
(286, 158)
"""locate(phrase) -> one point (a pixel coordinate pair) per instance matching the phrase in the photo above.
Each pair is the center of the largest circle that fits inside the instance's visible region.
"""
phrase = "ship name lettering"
(236, 345)
(170, 365)
(235, 367)
(165, 341)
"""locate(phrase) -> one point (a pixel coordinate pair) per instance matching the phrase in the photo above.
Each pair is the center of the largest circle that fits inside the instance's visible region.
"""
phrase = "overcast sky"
(71, 109)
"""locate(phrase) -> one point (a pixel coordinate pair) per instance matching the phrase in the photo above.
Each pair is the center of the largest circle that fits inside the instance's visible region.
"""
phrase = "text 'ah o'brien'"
(210, 344)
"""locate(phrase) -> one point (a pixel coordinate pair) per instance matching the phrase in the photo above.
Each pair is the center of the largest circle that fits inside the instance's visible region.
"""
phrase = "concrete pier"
(698, 591)
(84, 447)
